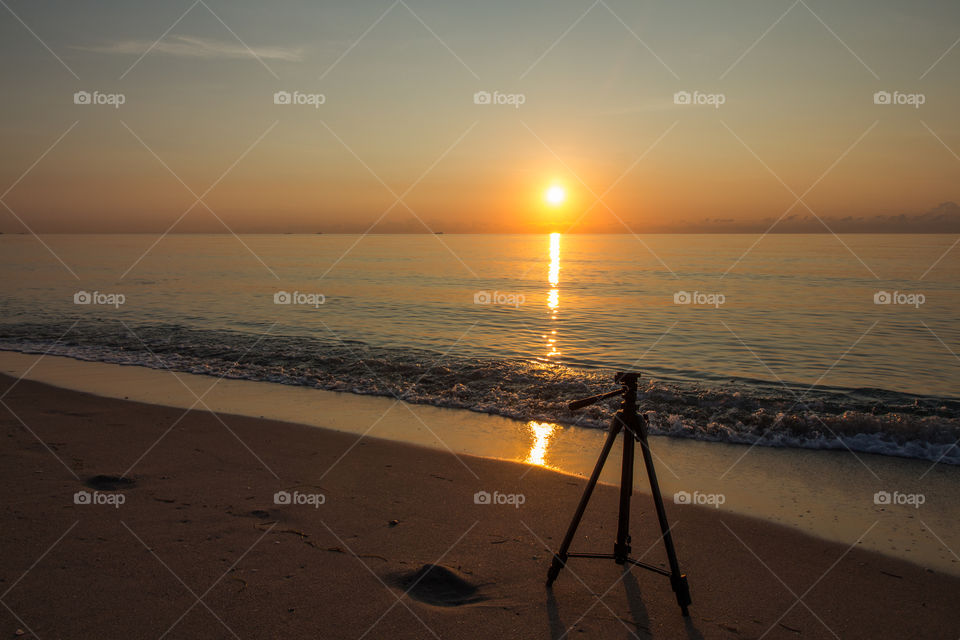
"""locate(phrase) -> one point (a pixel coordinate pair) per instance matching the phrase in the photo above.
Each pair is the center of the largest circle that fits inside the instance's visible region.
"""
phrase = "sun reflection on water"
(554, 276)
(553, 298)
(542, 433)
(553, 294)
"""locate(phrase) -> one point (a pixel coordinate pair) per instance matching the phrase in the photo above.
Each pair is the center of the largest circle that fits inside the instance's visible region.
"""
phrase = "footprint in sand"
(438, 585)
(109, 483)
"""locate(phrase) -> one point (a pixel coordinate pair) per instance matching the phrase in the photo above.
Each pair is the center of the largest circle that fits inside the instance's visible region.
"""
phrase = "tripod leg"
(621, 548)
(560, 557)
(677, 580)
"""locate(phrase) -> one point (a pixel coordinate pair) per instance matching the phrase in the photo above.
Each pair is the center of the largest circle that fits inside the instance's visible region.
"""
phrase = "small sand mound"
(438, 585)
(109, 483)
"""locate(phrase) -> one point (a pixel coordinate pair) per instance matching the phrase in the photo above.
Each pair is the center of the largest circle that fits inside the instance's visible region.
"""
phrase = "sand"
(198, 548)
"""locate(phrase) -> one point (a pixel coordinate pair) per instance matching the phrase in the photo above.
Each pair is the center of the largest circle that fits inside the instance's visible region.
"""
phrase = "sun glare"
(556, 195)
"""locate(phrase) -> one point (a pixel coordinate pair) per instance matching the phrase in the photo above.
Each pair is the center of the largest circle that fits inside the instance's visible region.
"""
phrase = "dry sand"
(199, 549)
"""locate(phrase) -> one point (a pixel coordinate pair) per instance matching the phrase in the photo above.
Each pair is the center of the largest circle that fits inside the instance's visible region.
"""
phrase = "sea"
(846, 342)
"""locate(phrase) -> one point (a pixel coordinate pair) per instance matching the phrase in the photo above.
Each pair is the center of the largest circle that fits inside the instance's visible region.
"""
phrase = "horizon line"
(479, 233)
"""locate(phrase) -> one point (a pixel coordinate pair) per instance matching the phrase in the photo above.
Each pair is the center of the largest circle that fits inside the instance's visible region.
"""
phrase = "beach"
(826, 493)
(455, 320)
(198, 546)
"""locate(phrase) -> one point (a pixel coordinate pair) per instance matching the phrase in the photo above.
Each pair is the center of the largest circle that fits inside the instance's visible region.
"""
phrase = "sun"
(555, 195)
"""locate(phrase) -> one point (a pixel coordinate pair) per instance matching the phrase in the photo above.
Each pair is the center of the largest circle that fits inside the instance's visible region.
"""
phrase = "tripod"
(633, 427)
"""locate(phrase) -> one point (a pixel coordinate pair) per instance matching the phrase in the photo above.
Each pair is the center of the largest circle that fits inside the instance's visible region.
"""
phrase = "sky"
(784, 128)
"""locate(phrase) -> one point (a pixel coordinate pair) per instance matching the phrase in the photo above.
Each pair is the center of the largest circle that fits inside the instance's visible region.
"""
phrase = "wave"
(740, 411)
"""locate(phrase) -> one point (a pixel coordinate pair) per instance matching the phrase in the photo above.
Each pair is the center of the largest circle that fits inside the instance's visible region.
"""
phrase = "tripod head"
(629, 389)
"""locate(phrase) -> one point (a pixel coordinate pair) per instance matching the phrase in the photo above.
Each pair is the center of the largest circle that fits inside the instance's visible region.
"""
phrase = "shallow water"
(783, 346)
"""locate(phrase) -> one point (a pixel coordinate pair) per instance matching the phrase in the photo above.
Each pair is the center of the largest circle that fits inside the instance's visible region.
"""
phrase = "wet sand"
(198, 547)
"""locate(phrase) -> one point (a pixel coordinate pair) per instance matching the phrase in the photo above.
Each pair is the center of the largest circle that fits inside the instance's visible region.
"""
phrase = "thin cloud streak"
(191, 47)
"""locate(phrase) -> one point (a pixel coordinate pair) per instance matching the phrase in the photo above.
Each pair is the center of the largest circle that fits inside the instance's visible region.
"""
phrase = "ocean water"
(805, 341)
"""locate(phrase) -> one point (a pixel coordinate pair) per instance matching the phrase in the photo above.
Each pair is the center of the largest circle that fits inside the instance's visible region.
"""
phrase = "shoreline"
(201, 510)
(837, 488)
(829, 494)
(911, 425)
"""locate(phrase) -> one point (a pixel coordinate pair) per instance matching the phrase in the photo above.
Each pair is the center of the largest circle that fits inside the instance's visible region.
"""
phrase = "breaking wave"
(737, 411)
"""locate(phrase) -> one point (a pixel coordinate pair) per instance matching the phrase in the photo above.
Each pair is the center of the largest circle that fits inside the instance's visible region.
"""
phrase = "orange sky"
(798, 131)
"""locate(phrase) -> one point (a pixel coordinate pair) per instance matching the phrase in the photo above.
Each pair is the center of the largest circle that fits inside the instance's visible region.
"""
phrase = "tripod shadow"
(558, 630)
(638, 611)
(692, 632)
(638, 614)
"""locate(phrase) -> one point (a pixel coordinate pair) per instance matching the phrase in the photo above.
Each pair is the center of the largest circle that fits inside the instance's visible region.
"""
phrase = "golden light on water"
(542, 434)
(554, 275)
(553, 294)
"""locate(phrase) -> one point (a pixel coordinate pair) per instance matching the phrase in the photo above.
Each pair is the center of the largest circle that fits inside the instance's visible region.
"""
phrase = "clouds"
(193, 47)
